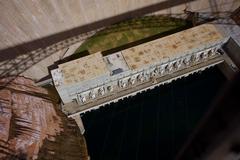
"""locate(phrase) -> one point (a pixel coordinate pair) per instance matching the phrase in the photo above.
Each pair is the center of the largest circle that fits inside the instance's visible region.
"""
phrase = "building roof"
(83, 69)
(172, 46)
(116, 63)
(141, 56)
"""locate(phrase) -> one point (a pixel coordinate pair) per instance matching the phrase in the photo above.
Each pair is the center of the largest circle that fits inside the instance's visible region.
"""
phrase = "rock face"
(27, 117)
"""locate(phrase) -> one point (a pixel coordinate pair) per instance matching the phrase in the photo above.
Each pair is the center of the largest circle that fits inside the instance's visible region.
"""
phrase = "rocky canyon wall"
(28, 119)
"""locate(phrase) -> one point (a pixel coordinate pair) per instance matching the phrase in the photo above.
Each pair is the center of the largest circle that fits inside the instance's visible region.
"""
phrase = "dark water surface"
(151, 125)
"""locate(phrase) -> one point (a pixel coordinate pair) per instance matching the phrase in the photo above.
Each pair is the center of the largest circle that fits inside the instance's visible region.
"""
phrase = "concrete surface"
(73, 109)
(26, 20)
(48, 22)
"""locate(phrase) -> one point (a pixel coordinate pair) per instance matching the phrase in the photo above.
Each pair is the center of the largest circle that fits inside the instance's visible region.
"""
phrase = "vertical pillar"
(228, 68)
(79, 122)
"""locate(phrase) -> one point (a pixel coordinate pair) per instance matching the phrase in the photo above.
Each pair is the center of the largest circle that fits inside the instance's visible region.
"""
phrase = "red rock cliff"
(27, 117)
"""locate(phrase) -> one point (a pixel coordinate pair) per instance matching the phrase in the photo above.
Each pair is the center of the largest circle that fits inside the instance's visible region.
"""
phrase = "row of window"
(145, 76)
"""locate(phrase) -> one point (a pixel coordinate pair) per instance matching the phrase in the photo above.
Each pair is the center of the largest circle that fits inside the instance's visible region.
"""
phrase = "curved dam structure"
(96, 80)
(118, 91)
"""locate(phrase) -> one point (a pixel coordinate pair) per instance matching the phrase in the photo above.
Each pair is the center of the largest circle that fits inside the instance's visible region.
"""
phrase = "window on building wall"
(117, 71)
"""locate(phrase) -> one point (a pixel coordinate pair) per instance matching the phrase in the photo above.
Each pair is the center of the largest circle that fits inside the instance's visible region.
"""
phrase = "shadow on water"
(151, 125)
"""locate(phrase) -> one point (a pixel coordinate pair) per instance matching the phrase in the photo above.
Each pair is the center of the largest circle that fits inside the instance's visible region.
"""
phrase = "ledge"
(73, 109)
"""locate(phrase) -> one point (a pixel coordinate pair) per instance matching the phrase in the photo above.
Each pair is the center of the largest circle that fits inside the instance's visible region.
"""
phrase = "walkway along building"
(96, 80)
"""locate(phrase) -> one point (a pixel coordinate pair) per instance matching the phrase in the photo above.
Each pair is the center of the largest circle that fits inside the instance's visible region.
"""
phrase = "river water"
(152, 125)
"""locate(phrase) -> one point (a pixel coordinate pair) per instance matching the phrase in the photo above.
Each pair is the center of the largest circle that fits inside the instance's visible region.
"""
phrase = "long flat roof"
(83, 69)
(160, 50)
(172, 46)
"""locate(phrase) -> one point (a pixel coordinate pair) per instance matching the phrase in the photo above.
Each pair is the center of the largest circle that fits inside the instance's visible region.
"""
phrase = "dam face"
(37, 19)
(153, 124)
(38, 33)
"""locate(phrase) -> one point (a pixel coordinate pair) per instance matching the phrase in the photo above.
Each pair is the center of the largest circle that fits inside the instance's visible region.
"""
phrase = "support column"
(79, 122)
(228, 68)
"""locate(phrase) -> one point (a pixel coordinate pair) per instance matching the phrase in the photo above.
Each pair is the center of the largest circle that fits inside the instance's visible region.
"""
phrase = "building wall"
(69, 93)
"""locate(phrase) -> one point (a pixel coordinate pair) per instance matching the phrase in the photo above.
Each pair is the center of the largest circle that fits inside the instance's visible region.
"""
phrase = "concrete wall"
(27, 25)
(27, 20)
